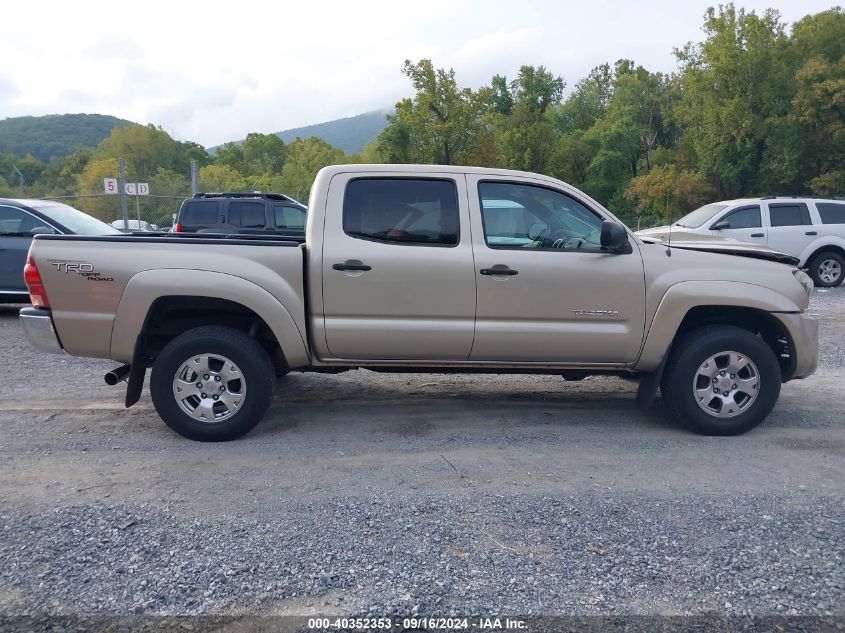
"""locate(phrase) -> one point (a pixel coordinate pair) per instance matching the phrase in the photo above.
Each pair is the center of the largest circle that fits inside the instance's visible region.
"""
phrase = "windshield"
(73, 219)
(696, 218)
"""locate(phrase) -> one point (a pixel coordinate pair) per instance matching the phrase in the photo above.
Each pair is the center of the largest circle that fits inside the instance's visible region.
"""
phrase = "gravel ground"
(365, 493)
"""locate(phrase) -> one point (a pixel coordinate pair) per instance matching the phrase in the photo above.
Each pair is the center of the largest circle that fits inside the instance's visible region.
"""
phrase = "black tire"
(245, 352)
(818, 260)
(682, 369)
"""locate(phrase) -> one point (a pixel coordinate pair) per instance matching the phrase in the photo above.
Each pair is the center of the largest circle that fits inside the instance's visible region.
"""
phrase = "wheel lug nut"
(715, 380)
(217, 397)
(204, 396)
(725, 393)
(199, 385)
(207, 376)
(715, 390)
(733, 376)
(734, 387)
(222, 388)
(217, 379)
(721, 373)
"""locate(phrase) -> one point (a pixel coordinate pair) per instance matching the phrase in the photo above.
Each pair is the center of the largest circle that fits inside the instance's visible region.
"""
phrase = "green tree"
(439, 124)
(221, 178)
(305, 157)
(735, 86)
(263, 153)
(667, 192)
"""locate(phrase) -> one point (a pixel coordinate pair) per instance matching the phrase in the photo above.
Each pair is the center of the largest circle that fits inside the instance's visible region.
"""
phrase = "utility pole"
(121, 183)
(195, 178)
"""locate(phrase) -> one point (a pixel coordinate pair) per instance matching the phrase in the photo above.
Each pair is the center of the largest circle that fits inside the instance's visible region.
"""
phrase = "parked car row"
(811, 229)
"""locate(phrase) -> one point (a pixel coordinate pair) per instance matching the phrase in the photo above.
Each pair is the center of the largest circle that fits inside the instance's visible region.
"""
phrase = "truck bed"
(92, 280)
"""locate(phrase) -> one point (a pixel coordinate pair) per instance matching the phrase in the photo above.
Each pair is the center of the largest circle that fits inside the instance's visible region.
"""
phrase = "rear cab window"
(414, 211)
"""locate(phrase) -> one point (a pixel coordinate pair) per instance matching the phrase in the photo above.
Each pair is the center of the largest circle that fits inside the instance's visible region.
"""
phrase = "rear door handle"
(504, 270)
(811, 233)
(758, 235)
(351, 266)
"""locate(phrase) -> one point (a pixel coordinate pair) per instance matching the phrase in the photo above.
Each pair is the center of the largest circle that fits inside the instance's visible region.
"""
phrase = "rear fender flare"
(146, 287)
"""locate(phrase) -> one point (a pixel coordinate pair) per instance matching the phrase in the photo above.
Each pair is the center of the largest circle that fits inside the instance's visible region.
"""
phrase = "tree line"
(755, 108)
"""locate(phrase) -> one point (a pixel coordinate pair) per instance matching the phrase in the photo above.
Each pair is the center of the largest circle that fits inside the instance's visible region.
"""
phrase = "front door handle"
(349, 265)
(811, 233)
(504, 270)
(758, 235)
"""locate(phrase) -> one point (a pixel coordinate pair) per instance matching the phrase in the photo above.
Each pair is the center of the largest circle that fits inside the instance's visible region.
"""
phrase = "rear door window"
(831, 212)
(288, 216)
(247, 215)
(792, 214)
(200, 213)
(421, 211)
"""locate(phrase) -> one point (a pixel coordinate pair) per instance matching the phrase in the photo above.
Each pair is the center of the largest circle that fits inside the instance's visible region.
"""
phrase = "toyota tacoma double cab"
(414, 268)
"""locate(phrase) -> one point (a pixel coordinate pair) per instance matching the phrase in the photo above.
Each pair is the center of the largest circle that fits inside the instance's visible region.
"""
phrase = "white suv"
(811, 229)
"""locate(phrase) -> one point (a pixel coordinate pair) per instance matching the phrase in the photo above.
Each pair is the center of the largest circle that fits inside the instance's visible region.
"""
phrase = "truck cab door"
(398, 281)
(547, 293)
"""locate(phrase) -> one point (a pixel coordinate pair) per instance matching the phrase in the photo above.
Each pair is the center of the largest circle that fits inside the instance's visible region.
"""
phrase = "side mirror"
(41, 230)
(722, 224)
(614, 237)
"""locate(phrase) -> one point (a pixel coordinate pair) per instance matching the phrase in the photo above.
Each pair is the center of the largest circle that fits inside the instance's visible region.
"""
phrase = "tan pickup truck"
(412, 268)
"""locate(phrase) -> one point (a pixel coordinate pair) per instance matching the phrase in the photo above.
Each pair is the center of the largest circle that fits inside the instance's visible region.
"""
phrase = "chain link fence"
(157, 211)
(155, 204)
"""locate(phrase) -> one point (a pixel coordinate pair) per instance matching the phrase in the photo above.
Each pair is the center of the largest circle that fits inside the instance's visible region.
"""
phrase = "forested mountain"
(54, 135)
(350, 134)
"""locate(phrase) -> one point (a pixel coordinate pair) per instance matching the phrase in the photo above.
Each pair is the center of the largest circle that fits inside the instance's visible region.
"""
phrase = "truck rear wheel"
(212, 383)
(721, 380)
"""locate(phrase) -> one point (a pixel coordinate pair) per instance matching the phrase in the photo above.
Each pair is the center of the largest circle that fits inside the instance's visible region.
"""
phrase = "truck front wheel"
(721, 380)
(212, 383)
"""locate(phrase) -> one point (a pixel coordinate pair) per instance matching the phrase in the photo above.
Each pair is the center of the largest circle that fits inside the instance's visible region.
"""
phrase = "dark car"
(20, 220)
(241, 213)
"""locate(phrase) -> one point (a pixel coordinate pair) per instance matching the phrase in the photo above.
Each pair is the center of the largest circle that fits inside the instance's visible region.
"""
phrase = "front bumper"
(38, 328)
(803, 329)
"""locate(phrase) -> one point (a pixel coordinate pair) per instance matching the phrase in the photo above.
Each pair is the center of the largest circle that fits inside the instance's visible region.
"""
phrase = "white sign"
(110, 185)
(137, 188)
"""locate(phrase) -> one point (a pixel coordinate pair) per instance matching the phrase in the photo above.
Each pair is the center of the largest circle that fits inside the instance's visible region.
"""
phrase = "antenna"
(669, 243)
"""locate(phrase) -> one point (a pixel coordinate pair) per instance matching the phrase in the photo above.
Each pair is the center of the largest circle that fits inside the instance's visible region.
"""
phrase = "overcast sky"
(212, 71)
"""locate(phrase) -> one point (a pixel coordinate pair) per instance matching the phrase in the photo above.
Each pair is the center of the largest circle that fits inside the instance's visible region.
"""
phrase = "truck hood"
(711, 244)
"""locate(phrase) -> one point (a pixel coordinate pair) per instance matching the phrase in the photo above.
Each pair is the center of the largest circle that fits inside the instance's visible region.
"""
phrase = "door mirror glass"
(722, 224)
(41, 230)
(614, 237)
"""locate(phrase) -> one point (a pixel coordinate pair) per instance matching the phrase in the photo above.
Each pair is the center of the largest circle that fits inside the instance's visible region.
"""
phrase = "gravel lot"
(377, 494)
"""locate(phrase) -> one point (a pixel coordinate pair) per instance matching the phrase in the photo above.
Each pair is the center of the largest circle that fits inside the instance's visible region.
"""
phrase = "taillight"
(37, 296)
(177, 228)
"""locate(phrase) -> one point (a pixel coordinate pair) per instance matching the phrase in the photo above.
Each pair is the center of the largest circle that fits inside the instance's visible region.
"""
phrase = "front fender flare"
(680, 298)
